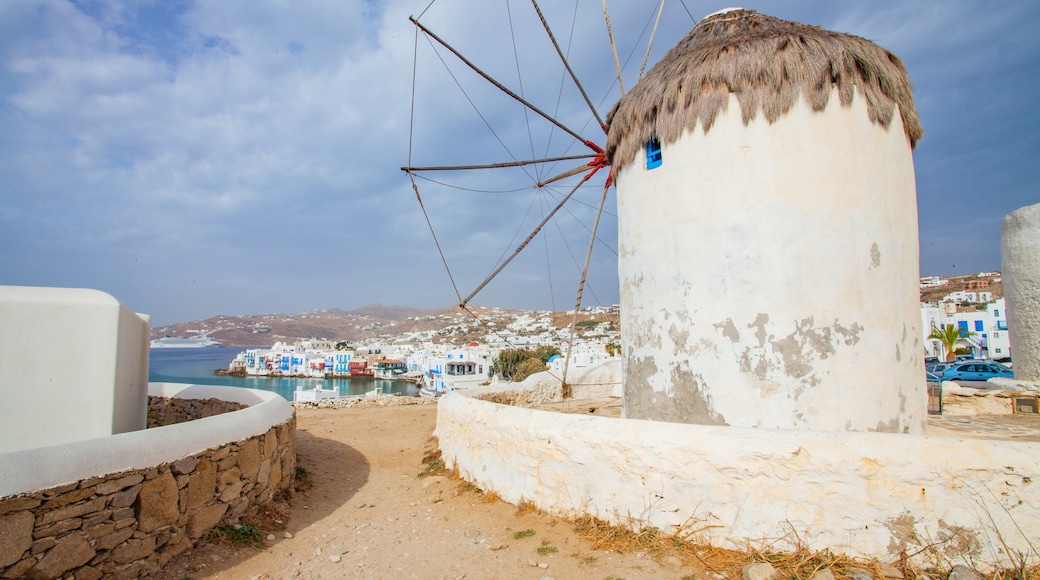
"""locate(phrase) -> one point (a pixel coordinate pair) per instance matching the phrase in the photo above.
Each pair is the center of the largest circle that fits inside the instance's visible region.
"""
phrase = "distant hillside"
(969, 283)
(449, 324)
(369, 322)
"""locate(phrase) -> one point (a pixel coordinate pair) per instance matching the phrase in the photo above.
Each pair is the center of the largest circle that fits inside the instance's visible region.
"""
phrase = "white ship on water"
(178, 342)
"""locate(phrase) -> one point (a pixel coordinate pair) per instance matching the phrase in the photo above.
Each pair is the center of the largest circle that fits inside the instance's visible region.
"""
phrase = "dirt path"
(367, 514)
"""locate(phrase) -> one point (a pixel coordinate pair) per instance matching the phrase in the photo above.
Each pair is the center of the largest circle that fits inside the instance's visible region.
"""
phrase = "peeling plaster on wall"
(875, 256)
(904, 534)
(851, 333)
(890, 426)
(679, 333)
(687, 402)
(728, 329)
(799, 347)
(760, 323)
(637, 374)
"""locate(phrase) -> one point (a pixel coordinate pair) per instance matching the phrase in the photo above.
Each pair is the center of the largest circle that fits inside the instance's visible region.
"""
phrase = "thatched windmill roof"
(767, 63)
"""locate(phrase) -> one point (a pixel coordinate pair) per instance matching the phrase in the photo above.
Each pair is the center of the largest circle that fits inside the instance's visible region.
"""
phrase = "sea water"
(196, 365)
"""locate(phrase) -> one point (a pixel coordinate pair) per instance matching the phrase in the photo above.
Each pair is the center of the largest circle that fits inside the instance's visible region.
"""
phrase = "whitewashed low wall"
(45, 467)
(123, 506)
(864, 494)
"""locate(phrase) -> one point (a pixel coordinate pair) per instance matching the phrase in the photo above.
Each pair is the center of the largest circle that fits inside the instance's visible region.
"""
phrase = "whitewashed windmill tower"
(768, 232)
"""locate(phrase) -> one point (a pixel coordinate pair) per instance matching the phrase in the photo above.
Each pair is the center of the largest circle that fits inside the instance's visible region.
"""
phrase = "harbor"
(197, 366)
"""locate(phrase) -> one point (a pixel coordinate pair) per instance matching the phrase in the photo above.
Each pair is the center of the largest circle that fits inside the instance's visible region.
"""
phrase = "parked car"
(1006, 361)
(938, 366)
(973, 371)
(932, 379)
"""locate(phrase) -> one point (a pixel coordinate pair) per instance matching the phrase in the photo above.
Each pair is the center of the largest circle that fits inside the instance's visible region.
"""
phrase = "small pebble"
(543, 565)
(287, 535)
(335, 558)
(270, 537)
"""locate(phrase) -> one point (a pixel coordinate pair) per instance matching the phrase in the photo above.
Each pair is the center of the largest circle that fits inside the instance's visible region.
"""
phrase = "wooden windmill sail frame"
(596, 161)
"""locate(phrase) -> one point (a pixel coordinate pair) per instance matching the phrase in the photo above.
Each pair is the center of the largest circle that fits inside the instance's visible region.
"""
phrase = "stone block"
(238, 508)
(232, 492)
(114, 539)
(228, 477)
(156, 504)
(102, 516)
(73, 511)
(123, 514)
(202, 486)
(133, 550)
(18, 504)
(42, 545)
(56, 491)
(58, 528)
(249, 458)
(112, 486)
(16, 535)
(88, 573)
(276, 473)
(21, 568)
(184, 466)
(98, 531)
(176, 547)
(66, 499)
(205, 519)
(227, 463)
(125, 498)
(70, 552)
(271, 442)
(220, 453)
(265, 472)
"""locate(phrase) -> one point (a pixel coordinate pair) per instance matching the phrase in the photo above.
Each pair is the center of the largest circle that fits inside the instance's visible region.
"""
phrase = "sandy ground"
(367, 513)
(368, 508)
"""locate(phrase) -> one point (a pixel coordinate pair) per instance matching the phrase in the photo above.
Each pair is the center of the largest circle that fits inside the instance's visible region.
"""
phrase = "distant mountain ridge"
(368, 322)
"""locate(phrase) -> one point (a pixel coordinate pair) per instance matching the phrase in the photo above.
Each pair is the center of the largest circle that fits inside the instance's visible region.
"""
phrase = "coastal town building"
(989, 328)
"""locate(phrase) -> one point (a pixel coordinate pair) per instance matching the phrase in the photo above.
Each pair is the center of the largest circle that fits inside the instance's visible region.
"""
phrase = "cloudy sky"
(243, 156)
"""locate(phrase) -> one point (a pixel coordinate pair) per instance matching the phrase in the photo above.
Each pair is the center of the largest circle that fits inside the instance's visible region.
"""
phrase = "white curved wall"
(769, 276)
(1020, 275)
(864, 494)
(46, 467)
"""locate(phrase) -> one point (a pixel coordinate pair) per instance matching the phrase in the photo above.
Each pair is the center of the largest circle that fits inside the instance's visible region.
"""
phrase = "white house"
(991, 339)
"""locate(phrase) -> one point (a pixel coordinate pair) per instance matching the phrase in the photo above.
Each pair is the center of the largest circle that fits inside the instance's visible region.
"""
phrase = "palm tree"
(949, 335)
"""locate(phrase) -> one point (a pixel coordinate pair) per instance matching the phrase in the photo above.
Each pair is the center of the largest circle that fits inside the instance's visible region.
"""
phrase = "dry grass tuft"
(491, 497)
(525, 506)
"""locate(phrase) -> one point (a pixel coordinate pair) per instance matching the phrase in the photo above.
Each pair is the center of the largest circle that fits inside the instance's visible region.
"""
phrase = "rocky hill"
(374, 321)
(453, 324)
(970, 283)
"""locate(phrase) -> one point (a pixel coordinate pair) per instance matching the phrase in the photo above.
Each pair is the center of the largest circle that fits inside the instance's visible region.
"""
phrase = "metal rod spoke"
(567, 65)
(498, 165)
(502, 87)
(521, 246)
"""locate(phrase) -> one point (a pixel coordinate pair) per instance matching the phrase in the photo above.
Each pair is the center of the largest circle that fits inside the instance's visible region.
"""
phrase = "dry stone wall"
(122, 525)
(170, 410)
